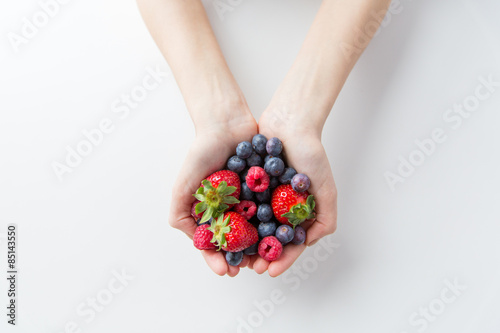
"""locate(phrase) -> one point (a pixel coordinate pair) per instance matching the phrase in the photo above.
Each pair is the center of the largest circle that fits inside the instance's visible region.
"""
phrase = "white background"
(394, 250)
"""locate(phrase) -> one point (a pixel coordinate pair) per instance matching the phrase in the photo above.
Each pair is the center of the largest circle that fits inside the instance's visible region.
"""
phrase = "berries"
(291, 207)
(263, 196)
(236, 164)
(267, 189)
(300, 235)
(259, 142)
(244, 150)
(246, 208)
(300, 182)
(202, 237)
(209, 222)
(253, 249)
(257, 179)
(274, 182)
(246, 192)
(254, 160)
(284, 233)
(287, 175)
(274, 146)
(193, 211)
(270, 248)
(267, 158)
(243, 174)
(234, 258)
(274, 166)
(264, 213)
(266, 229)
(219, 192)
(233, 233)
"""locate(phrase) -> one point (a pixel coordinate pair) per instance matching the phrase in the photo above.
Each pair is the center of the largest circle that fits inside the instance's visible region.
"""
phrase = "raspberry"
(257, 179)
(202, 238)
(270, 248)
(193, 213)
(246, 208)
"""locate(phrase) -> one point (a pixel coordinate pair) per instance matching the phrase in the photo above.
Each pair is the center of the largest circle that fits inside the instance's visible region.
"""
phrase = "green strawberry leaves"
(220, 228)
(301, 212)
(214, 201)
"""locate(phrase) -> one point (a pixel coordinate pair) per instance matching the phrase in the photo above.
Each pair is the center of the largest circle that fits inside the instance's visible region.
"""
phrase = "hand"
(305, 153)
(214, 142)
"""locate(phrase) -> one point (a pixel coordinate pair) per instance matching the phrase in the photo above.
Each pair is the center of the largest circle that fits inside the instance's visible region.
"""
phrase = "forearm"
(339, 34)
(184, 36)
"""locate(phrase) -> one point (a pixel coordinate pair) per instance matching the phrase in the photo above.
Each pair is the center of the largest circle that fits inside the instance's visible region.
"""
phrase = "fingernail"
(313, 242)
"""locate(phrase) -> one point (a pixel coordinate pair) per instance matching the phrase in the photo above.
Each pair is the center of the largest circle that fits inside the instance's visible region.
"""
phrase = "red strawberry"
(233, 233)
(291, 207)
(219, 192)
(202, 238)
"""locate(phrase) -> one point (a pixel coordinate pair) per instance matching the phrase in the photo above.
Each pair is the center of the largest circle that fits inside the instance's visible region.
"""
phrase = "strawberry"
(291, 207)
(233, 233)
(202, 238)
(219, 192)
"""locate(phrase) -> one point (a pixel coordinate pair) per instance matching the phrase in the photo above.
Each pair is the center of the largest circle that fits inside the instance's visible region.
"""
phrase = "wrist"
(217, 117)
(292, 113)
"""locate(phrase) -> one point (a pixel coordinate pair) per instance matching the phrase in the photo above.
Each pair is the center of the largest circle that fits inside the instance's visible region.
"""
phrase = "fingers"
(275, 268)
(320, 229)
(326, 214)
(216, 261)
(186, 225)
(288, 256)
(252, 261)
(180, 211)
(187, 182)
(244, 263)
(260, 265)
(233, 271)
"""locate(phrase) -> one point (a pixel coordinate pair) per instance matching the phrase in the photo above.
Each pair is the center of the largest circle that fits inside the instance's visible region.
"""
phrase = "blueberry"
(274, 146)
(263, 196)
(284, 233)
(264, 213)
(287, 175)
(207, 222)
(266, 229)
(253, 249)
(243, 174)
(274, 182)
(246, 193)
(270, 156)
(259, 143)
(234, 258)
(244, 149)
(254, 160)
(300, 235)
(236, 164)
(300, 182)
(274, 166)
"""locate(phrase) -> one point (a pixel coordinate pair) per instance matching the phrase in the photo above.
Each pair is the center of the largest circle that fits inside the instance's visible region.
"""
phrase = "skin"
(296, 113)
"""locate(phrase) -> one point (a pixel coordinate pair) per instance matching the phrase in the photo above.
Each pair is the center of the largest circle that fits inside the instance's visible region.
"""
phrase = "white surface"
(395, 249)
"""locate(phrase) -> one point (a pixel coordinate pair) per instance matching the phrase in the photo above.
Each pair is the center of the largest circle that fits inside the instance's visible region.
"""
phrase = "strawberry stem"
(301, 212)
(214, 201)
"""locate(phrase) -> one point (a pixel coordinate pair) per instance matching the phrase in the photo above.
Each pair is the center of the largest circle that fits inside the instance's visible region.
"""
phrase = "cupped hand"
(303, 151)
(214, 142)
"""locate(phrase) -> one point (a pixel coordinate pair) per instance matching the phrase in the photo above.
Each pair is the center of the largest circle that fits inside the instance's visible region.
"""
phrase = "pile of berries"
(254, 206)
